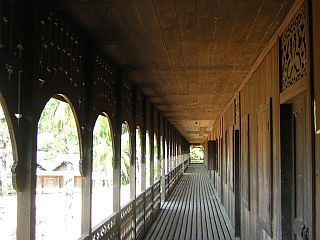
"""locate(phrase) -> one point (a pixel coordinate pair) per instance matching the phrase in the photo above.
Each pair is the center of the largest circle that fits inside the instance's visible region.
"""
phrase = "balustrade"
(136, 217)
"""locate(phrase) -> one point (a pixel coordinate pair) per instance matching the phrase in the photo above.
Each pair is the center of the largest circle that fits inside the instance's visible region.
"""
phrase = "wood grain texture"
(189, 57)
(192, 211)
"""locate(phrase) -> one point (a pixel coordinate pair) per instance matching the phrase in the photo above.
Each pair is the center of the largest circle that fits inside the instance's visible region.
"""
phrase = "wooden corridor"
(192, 211)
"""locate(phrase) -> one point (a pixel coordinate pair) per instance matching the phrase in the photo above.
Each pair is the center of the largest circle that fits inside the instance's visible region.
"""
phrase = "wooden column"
(133, 146)
(151, 138)
(117, 147)
(87, 145)
(143, 148)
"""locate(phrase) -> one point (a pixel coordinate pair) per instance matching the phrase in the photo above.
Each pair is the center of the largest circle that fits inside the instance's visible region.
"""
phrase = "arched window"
(147, 160)
(58, 192)
(156, 162)
(165, 156)
(8, 196)
(138, 161)
(125, 164)
(161, 155)
(102, 170)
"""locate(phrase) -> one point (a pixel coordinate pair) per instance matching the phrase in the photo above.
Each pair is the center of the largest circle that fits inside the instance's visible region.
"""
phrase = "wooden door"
(299, 198)
(294, 178)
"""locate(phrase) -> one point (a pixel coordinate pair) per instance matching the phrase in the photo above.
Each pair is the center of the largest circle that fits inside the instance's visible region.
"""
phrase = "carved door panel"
(299, 198)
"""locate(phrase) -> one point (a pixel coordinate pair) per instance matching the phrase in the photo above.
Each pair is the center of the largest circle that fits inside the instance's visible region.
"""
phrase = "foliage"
(57, 131)
(125, 154)
(147, 160)
(155, 166)
(102, 147)
(197, 153)
(138, 160)
(6, 157)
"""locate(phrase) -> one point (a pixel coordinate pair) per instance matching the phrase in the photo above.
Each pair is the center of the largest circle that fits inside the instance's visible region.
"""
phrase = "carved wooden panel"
(139, 109)
(294, 51)
(104, 82)
(108, 230)
(60, 53)
(237, 109)
(127, 99)
(6, 24)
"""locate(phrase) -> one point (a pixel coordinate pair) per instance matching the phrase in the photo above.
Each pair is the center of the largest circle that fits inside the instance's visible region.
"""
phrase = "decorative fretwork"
(237, 109)
(156, 196)
(148, 205)
(108, 230)
(104, 82)
(7, 25)
(60, 51)
(139, 215)
(127, 221)
(127, 98)
(294, 51)
(139, 109)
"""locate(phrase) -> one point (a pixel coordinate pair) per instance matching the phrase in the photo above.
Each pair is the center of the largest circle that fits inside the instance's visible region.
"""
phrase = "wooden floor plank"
(192, 211)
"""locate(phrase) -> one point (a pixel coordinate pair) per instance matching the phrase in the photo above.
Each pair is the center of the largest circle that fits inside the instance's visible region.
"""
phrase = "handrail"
(136, 217)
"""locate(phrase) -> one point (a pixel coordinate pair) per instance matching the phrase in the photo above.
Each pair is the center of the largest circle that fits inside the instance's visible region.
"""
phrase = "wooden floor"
(192, 211)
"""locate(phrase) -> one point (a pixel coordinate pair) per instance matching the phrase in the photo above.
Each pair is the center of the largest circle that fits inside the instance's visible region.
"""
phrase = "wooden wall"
(256, 113)
(316, 70)
(45, 53)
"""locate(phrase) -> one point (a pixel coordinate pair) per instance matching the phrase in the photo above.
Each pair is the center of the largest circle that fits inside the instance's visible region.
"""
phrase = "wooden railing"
(135, 218)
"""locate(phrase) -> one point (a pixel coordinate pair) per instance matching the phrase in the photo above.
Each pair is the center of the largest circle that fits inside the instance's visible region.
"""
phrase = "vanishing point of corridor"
(192, 211)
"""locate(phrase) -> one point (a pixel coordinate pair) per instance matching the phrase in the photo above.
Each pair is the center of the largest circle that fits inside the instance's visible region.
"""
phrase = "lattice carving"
(127, 97)
(6, 25)
(237, 109)
(108, 230)
(127, 221)
(60, 51)
(139, 215)
(294, 51)
(139, 109)
(104, 82)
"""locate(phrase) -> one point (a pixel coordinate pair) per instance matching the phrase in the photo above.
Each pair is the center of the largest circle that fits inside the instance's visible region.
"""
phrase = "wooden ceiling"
(188, 57)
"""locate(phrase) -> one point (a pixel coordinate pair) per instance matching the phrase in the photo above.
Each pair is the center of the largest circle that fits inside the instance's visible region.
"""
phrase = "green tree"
(125, 154)
(102, 147)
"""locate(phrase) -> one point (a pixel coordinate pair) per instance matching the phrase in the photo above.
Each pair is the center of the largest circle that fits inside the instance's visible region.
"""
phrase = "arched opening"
(58, 192)
(147, 159)
(165, 157)
(125, 164)
(138, 161)
(8, 195)
(102, 170)
(155, 157)
(161, 155)
(196, 154)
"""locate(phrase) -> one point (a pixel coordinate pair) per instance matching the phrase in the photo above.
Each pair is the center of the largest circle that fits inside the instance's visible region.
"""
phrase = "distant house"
(55, 174)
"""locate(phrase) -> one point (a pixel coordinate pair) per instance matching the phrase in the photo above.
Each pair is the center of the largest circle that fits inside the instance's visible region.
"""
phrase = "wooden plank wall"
(316, 70)
(260, 174)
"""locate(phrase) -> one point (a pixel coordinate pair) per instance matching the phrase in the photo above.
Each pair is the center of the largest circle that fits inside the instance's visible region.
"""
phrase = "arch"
(161, 155)
(102, 169)
(8, 194)
(125, 163)
(148, 165)
(155, 157)
(165, 156)
(59, 181)
(138, 161)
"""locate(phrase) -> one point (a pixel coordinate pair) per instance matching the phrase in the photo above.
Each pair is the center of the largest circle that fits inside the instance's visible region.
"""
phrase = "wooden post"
(117, 147)
(151, 139)
(143, 148)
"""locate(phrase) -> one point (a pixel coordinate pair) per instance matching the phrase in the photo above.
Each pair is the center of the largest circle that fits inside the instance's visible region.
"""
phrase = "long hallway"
(192, 211)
